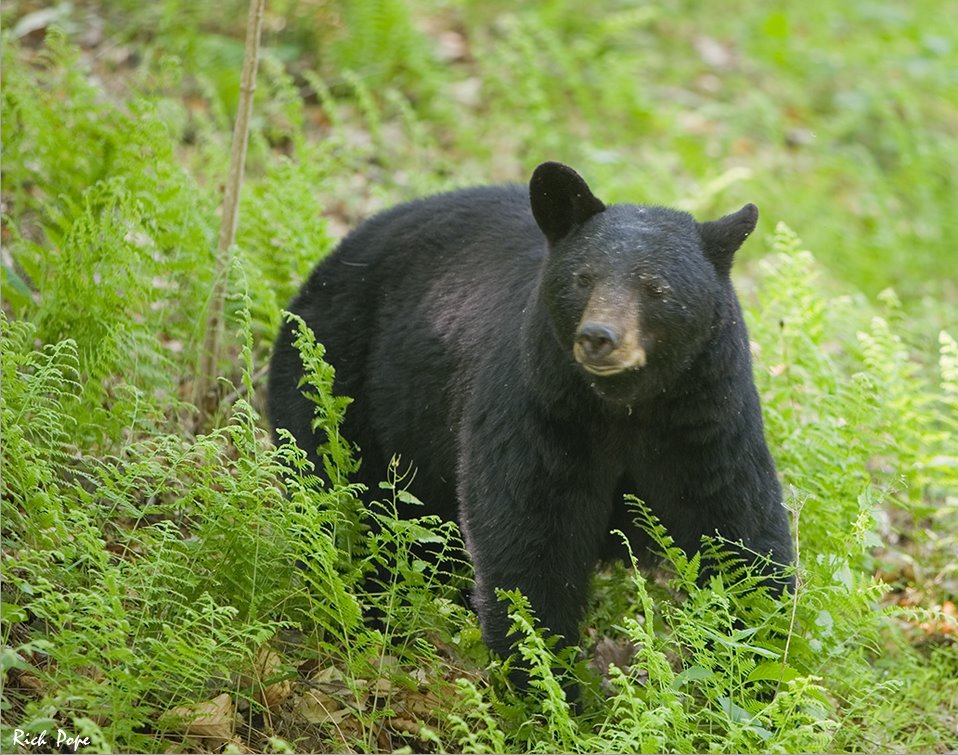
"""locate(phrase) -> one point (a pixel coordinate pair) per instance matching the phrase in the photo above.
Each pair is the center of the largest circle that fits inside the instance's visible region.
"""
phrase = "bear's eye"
(655, 286)
(584, 279)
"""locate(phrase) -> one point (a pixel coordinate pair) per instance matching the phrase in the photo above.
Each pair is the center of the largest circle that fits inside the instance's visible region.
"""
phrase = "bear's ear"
(724, 236)
(561, 200)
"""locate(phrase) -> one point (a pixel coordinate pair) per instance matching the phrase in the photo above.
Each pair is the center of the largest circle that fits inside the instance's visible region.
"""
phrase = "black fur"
(451, 322)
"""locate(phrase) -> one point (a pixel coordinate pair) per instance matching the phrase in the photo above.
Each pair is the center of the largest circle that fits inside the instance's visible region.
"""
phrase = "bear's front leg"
(534, 509)
(726, 487)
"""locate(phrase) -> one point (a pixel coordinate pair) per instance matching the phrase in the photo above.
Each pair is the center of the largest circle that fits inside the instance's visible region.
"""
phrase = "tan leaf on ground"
(405, 725)
(268, 664)
(212, 720)
(317, 707)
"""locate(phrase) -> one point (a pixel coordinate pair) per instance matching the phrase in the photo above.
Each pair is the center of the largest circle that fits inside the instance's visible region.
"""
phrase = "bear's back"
(402, 305)
(430, 235)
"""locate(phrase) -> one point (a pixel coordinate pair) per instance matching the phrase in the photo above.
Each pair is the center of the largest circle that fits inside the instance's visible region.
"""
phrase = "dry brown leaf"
(27, 681)
(212, 721)
(268, 664)
(423, 705)
(613, 652)
(405, 725)
(316, 707)
(382, 687)
(275, 694)
(329, 678)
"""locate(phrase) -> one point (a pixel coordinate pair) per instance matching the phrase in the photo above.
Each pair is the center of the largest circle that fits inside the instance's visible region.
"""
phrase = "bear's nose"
(597, 340)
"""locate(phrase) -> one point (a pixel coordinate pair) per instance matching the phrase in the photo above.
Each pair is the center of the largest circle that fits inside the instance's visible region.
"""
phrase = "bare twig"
(204, 393)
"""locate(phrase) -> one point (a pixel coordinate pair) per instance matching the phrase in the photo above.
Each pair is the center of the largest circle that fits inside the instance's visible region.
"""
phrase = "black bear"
(536, 356)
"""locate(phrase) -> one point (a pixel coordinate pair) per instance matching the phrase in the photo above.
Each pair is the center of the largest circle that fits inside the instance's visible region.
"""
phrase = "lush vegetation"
(165, 589)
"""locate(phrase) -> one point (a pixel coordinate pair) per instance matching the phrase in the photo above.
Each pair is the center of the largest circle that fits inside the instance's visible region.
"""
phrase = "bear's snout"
(603, 349)
(607, 340)
(596, 340)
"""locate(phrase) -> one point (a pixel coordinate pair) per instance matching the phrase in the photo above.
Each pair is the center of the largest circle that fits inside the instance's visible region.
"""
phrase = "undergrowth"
(163, 591)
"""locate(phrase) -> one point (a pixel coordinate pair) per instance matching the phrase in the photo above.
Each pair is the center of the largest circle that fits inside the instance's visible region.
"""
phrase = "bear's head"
(634, 292)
